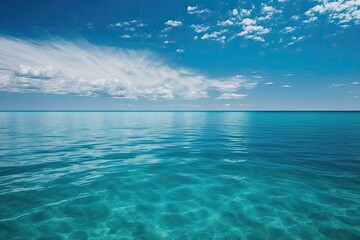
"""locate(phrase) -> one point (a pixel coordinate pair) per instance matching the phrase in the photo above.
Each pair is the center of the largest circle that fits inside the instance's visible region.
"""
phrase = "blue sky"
(181, 55)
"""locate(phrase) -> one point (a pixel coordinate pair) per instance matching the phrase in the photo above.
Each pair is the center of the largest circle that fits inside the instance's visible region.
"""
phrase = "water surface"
(179, 175)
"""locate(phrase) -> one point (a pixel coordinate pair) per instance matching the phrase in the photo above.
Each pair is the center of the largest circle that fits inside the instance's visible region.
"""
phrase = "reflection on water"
(179, 175)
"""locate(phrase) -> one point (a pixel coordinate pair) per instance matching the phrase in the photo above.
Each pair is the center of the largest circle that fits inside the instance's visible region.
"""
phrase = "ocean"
(180, 175)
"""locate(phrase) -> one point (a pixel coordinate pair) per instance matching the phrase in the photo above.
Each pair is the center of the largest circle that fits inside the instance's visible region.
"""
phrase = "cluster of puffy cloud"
(62, 67)
(216, 35)
(253, 22)
(339, 12)
(239, 22)
(131, 29)
(252, 31)
(268, 12)
(257, 21)
(129, 25)
(199, 28)
(170, 24)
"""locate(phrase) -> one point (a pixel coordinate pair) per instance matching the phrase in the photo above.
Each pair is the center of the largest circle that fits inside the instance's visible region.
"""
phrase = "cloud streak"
(62, 67)
(228, 96)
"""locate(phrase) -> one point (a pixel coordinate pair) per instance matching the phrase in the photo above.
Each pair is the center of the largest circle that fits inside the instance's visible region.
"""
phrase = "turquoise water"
(179, 175)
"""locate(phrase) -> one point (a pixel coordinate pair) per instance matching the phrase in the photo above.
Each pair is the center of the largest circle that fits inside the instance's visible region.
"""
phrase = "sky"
(180, 55)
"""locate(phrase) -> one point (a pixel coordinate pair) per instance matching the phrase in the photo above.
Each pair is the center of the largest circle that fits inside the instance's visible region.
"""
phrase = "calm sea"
(180, 175)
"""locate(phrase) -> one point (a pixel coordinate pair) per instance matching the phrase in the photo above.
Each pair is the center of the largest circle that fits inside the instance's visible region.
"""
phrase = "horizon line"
(179, 110)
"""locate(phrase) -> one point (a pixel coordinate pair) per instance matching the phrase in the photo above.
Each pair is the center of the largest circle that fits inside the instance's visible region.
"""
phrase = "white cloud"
(245, 13)
(232, 96)
(129, 24)
(310, 19)
(269, 83)
(221, 39)
(295, 17)
(196, 10)
(40, 72)
(225, 23)
(252, 31)
(125, 36)
(339, 12)
(355, 83)
(199, 28)
(211, 35)
(268, 12)
(248, 21)
(232, 84)
(173, 23)
(215, 36)
(268, 9)
(255, 37)
(190, 8)
(286, 86)
(119, 24)
(62, 67)
(288, 29)
(338, 84)
(179, 50)
(130, 28)
(89, 25)
(235, 12)
(295, 39)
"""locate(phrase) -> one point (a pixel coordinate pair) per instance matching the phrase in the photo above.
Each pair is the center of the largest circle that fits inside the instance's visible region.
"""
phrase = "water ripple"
(199, 175)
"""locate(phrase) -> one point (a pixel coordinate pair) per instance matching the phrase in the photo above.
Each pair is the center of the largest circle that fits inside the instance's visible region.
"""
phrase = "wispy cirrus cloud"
(125, 36)
(129, 24)
(336, 85)
(227, 96)
(62, 67)
(294, 40)
(232, 84)
(269, 83)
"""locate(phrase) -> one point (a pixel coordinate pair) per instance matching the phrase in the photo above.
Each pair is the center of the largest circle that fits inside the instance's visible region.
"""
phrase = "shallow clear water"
(179, 175)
